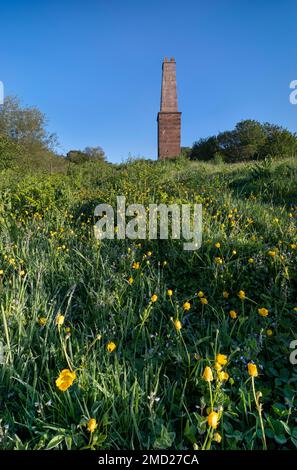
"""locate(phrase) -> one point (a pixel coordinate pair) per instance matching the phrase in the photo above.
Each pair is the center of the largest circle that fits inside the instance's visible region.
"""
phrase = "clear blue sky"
(94, 66)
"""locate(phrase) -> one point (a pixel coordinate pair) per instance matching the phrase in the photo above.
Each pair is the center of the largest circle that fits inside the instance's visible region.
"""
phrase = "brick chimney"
(169, 119)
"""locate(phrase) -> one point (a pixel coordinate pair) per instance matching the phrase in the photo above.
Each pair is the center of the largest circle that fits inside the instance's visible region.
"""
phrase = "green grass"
(149, 392)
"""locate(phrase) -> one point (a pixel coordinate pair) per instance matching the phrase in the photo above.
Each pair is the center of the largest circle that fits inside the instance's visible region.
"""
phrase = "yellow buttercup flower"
(233, 314)
(42, 321)
(295, 309)
(207, 374)
(251, 260)
(271, 253)
(187, 306)
(130, 280)
(263, 312)
(252, 370)
(218, 245)
(217, 367)
(200, 294)
(170, 293)
(225, 294)
(135, 265)
(177, 324)
(204, 301)
(223, 376)
(222, 359)
(60, 319)
(218, 260)
(111, 346)
(92, 425)
(234, 252)
(269, 332)
(217, 437)
(241, 294)
(154, 298)
(65, 379)
(213, 419)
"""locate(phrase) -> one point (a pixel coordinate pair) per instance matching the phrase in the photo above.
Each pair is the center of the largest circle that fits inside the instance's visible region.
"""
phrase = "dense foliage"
(250, 140)
(128, 329)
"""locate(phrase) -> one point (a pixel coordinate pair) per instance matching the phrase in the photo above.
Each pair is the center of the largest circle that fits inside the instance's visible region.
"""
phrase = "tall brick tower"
(169, 119)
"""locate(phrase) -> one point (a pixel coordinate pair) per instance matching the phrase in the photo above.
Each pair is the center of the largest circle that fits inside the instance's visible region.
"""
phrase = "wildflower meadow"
(139, 344)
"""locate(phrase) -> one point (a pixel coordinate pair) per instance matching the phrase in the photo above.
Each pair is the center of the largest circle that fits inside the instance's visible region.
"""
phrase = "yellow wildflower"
(241, 294)
(111, 346)
(252, 370)
(269, 332)
(65, 379)
(222, 359)
(217, 437)
(177, 324)
(200, 294)
(207, 374)
(223, 376)
(169, 292)
(213, 419)
(263, 312)
(225, 294)
(154, 298)
(92, 425)
(60, 319)
(233, 314)
(187, 306)
(42, 321)
(204, 301)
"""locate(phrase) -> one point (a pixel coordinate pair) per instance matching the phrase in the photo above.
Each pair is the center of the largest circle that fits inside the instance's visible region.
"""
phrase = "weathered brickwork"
(169, 118)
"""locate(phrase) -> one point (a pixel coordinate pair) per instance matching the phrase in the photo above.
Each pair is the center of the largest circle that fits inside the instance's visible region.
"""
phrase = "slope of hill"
(143, 327)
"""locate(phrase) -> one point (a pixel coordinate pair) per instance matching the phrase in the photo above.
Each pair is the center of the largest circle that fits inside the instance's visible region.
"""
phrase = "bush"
(250, 140)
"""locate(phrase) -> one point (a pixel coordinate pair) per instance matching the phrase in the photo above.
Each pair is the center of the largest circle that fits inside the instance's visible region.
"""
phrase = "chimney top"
(172, 59)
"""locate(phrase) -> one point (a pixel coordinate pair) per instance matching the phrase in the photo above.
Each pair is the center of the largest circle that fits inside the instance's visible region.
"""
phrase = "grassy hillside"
(65, 298)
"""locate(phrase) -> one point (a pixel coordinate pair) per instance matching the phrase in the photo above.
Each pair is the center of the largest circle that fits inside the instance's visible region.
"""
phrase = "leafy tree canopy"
(249, 140)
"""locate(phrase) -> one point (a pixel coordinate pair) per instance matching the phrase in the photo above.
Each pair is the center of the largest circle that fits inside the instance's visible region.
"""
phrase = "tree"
(244, 142)
(10, 151)
(279, 142)
(95, 154)
(249, 140)
(205, 149)
(25, 125)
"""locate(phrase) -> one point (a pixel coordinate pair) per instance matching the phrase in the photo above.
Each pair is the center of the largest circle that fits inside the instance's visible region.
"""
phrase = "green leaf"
(55, 441)
(280, 438)
(189, 432)
(165, 440)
